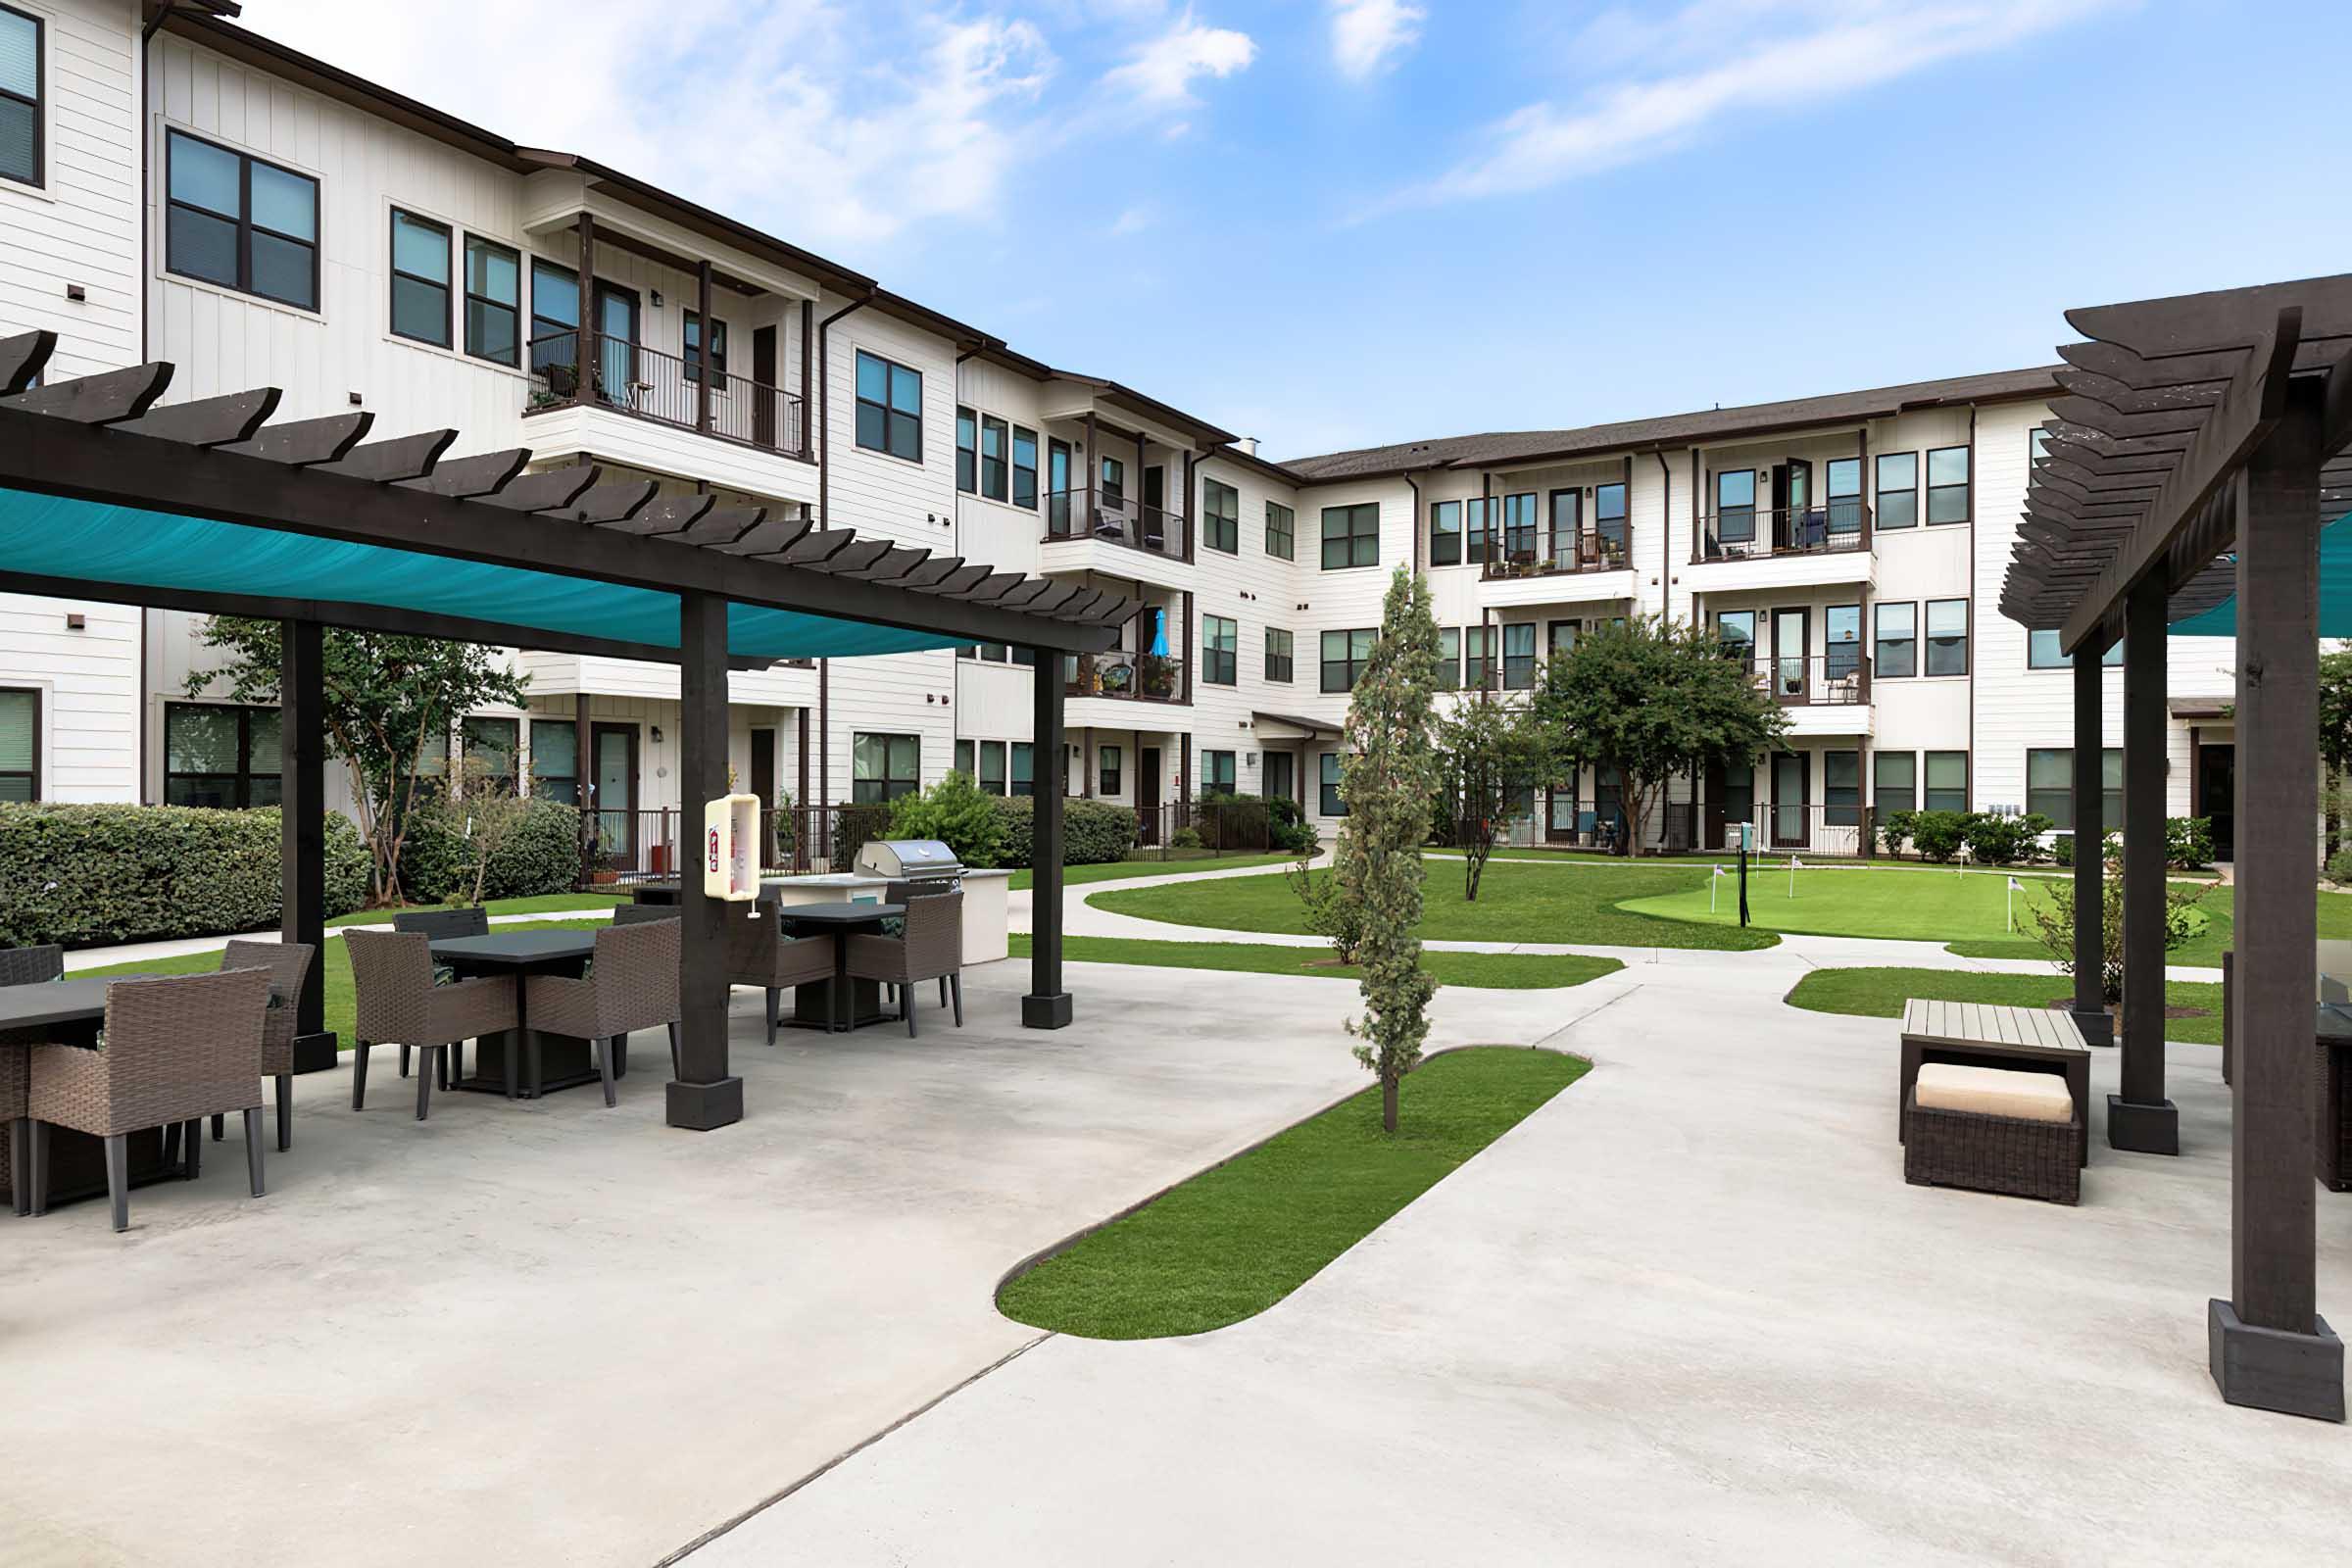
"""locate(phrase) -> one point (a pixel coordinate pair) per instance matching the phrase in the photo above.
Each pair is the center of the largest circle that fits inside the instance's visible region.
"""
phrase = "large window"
(1843, 491)
(555, 761)
(1446, 533)
(1327, 800)
(555, 314)
(1947, 636)
(1343, 657)
(1478, 658)
(1898, 490)
(968, 451)
(1218, 773)
(1735, 632)
(493, 301)
(1894, 782)
(883, 767)
(1478, 529)
(1567, 523)
(1736, 506)
(1024, 469)
(1220, 517)
(1947, 485)
(493, 748)
(1450, 659)
(1895, 650)
(693, 349)
(1110, 777)
(890, 408)
(219, 756)
(1560, 638)
(995, 483)
(1024, 768)
(2051, 786)
(1947, 781)
(1220, 656)
(1278, 654)
(244, 223)
(20, 732)
(2043, 652)
(20, 94)
(1519, 528)
(420, 278)
(1351, 536)
(1608, 517)
(1519, 656)
(1842, 789)
(1842, 626)
(1282, 531)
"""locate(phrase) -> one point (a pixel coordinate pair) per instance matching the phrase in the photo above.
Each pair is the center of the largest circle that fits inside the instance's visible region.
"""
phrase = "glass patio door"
(616, 343)
(613, 777)
(1789, 781)
(1791, 640)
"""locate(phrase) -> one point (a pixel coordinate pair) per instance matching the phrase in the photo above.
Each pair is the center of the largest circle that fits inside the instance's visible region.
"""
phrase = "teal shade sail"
(2336, 591)
(132, 547)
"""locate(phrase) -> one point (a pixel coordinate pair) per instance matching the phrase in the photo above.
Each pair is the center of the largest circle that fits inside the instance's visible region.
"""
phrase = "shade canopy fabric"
(2336, 592)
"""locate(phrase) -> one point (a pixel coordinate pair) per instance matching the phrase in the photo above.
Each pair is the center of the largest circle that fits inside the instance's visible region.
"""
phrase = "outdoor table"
(840, 1002)
(549, 1062)
(1973, 1034)
(70, 1013)
(654, 892)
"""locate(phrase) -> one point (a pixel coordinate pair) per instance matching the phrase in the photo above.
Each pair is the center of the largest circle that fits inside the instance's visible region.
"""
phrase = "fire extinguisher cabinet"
(731, 849)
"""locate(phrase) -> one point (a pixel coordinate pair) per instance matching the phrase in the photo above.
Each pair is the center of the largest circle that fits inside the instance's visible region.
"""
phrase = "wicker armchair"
(759, 953)
(289, 966)
(175, 1052)
(632, 984)
(30, 966)
(440, 925)
(22, 966)
(640, 914)
(392, 980)
(931, 950)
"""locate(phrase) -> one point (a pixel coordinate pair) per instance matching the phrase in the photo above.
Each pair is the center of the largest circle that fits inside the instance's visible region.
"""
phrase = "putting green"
(1912, 903)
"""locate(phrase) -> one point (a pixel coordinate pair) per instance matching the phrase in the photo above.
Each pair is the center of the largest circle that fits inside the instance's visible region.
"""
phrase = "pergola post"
(2141, 1118)
(1046, 1006)
(705, 1095)
(302, 829)
(2268, 1347)
(2090, 827)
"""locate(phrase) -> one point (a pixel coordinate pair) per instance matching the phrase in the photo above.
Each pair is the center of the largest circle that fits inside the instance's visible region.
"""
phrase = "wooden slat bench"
(2028, 1039)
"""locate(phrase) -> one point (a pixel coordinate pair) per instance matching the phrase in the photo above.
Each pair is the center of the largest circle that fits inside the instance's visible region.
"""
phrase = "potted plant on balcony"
(1158, 674)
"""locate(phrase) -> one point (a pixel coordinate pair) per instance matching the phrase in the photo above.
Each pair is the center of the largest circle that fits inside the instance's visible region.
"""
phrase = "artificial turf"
(1880, 994)
(1916, 904)
(1234, 1240)
(2218, 908)
(1494, 971)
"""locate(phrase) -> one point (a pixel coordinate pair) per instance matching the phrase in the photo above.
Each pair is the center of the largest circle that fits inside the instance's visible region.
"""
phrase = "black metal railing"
(1114, 519)
(667, 388)
(1513, 555)
(625, 846)
(1140, 677)
(1751, 533)
(1794, 680)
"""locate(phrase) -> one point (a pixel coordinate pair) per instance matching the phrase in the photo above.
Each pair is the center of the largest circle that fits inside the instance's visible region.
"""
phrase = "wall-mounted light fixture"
(75, 620)
(656, 299)
(657, 734)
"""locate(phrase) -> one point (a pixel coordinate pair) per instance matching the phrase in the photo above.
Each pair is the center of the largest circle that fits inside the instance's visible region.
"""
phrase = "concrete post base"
(2272, 1369)
(2143, 1129)
(701, 1107)
(1045, 1013)
(316, 1053)
(2098, 1027)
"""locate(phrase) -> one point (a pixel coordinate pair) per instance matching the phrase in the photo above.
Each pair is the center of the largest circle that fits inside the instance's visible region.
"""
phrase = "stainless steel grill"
(918, 861)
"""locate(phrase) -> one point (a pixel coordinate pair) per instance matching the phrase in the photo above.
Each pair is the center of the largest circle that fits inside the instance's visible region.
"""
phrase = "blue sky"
(1335, 222)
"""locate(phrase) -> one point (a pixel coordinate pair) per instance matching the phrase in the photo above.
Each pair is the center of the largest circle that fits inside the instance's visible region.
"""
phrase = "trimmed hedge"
(542, 854)
(86, 875)
(1092, 832)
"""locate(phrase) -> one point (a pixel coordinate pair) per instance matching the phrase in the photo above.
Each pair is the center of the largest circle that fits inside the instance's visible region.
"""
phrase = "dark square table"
(68, 1012)
(840, 1002)
(549, 1061)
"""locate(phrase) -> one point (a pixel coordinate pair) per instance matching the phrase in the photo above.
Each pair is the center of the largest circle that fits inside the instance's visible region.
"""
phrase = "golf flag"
(1793, 868)
(1719, 871)
(2015, 888)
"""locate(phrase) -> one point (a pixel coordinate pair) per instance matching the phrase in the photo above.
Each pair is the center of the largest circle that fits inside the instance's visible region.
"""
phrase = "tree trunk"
(1388, 1106)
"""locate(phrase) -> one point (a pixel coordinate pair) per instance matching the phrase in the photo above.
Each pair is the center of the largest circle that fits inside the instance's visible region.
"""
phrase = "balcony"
(1517, 555)
(1818, 680)
(1761, 533)
(1131, 677)
(665, 389)
(1108, 517)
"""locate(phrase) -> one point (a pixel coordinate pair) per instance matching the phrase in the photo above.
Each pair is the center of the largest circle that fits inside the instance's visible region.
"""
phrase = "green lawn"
(1516, 903)
(1880, 994)
(539, 905)
(2218, 908)
(1487, 971)
(1911, 902)
(1117, 870)
(1238, 1237)
(337, 972)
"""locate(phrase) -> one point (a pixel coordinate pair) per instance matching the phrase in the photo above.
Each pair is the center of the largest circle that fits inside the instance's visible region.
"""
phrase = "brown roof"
(1499, 447)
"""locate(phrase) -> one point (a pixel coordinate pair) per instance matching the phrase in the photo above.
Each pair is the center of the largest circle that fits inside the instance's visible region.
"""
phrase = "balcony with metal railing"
(1514, 554)
(1108, 517)
(1836, 679)
(1130, 676)
(674, 390)
(1756, 533)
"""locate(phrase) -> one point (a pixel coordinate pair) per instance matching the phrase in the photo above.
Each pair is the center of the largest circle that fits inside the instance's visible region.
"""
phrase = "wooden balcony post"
(705, 1095)
(584, 355)
(302, 841)
(708, 360)
(1047, 1004)
(2090, 1002)
(2140, 1117)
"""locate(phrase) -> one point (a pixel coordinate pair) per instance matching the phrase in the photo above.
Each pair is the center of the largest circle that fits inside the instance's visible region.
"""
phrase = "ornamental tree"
(1389, 782)
(1488, 747)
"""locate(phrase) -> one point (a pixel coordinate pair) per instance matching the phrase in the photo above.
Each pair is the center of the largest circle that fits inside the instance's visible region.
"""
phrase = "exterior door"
(1058, 486)
(1791, 642)
(2217, 793)
(612, 776)
(1559, 815)
(763, 400)
(1280, 776)
(1790, 803)
(1147, 794)
(763, 785)
(616, 343)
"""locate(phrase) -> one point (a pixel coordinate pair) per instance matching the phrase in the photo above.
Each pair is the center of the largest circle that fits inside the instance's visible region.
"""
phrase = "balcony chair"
(398, 1003)
(932, 949)
(289, 966)
(759, 953)
(172, 1052)
(632, 984)
(442, 925)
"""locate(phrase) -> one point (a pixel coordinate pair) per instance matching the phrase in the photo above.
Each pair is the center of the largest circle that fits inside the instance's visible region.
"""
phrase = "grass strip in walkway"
(1120, 870)
(1491, 971)
(539, 904)
(1880, 994)
(1240, 1236)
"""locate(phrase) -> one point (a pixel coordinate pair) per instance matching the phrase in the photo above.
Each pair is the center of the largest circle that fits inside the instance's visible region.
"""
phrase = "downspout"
(1973, 651)
(146, 62)
(1415, 488)
(824, 518)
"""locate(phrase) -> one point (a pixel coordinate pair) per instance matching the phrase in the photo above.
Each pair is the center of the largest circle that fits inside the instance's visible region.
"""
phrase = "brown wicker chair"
(931, 950)
(22, 966)
(640, 914)
(289, 966)
(440, 925)
(759, 953)
(392, 981)
(175, 1052)
(632, 984)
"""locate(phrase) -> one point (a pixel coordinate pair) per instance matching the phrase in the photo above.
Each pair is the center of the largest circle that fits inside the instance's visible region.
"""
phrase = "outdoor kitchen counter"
(987, 901)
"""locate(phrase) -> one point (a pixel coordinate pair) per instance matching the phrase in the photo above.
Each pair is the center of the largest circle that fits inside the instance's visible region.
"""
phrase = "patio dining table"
(70, 1013)
(547, 1061)
(841, 1003)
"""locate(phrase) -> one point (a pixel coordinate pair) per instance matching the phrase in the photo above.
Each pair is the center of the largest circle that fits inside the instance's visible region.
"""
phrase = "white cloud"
(1133, 221)
(1776, 54)
(1161, 73)
(1366, 34)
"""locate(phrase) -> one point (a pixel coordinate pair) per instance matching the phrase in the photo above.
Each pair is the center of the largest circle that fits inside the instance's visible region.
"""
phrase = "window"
(1561, 638)
(1114, 482)
(555, 761)
(1024, 768)
(1894, 782)
(1947, 636)
(1947, 781)
(1896, 650)
(493, 747)
(1220, 517)
(420, 278)
(1478, 657)
(246, 225)
(1282, 531)
(1343, 655)
(1845, 495)
(1947, 485)
(995, 477)
(1220, 659)
(994, 652)
(890, 409)
(1842, 789)
(1736, 506)
(1519, 656)
(883, 767)
(1110, 778)
(693, 349)
(1898, 489)
(1567, 522)
(1351, 536)
(1842, 627)
(19, 109)
(1519, 526)
(2051, 786)
(219, 756)
(963, 758)
(991, 767)
(1736, 630)
(1278, 654)
(2043, 652)
(19, 716)
(1478, 517)
(493, 301)
(1446, 533)
(1327, 802)
(1216, 773)
(555, 314)
(1608, 517)
(1450, 659)
(968, 451)
(1024, 469)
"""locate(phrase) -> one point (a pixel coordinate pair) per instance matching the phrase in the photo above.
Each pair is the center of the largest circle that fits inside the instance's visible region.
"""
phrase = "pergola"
(106, 493)
(2198, 448)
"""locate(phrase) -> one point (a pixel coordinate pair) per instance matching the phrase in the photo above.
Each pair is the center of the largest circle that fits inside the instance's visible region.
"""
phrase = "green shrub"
(89, 874)
(954, 812)
(1938, 835)
(1288, 827)
(1092, 832)
(540, 855)
(2188, 841)
(2339, 868)
(1896, 830)
(2062, 847)
(1186, 838)
(1999, 840)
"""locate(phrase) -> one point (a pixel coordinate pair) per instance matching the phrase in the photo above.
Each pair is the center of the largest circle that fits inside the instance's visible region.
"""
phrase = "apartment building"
(174, 187)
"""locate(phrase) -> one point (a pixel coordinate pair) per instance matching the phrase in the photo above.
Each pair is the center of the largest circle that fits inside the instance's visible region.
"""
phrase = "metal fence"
(664, 387)
(650, 845)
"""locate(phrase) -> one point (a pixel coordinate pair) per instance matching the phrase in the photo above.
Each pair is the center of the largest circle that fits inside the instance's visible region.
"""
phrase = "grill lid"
(901, 859)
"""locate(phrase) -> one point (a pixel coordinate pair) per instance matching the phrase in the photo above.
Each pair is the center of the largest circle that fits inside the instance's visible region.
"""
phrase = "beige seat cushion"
(1993, 1091)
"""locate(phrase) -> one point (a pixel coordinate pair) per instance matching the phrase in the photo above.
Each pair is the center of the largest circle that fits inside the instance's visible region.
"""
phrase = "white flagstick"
(1792, 876)
(2012, 892)
(1711, 881)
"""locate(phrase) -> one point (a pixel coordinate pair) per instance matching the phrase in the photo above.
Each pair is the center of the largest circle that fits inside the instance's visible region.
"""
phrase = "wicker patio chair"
(30, 966)
(289, 966)
(392, 982)
(441, 925)
(20, 966)
(759, 953)
(931, 950)
(175, 1052)
(632, 984)
(640, 914)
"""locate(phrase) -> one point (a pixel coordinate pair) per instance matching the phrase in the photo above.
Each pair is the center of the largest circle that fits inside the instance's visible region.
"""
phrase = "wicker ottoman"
(1992, 1130)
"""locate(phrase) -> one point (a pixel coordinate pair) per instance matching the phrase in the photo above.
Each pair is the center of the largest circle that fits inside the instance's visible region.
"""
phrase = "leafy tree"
(388, 699)
(1655, 699)
(2054, 923)
(484, 815)
(955, 813)
(1388, 781)
(1486, 749)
